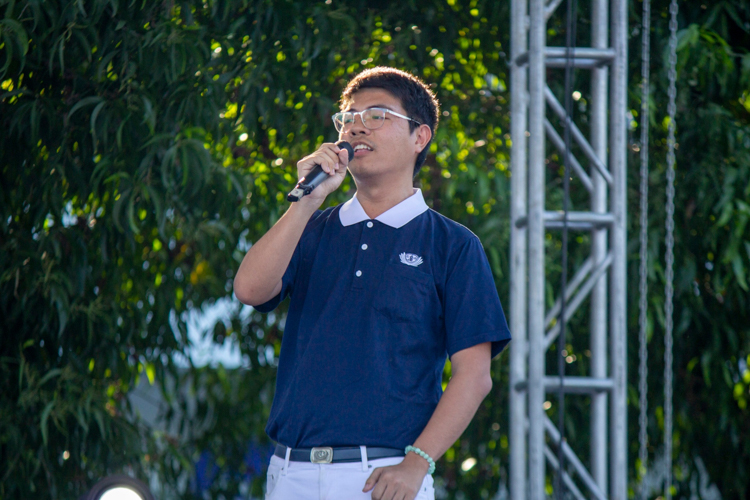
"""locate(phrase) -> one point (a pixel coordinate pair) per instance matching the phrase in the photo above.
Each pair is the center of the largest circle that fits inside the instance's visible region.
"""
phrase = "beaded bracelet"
(423, 455)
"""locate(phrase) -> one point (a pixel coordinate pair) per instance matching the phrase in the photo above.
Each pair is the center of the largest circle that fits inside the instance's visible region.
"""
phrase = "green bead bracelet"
(423, 455)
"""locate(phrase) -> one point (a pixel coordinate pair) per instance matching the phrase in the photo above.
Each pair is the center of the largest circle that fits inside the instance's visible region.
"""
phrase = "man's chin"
(367, 174)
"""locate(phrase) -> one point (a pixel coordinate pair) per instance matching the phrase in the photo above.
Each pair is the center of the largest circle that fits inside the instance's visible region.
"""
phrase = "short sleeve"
(287, 284)
(289, 278)
(473, 313)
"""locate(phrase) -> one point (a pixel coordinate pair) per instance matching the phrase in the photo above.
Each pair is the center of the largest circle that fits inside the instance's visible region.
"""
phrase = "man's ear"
(424, 135)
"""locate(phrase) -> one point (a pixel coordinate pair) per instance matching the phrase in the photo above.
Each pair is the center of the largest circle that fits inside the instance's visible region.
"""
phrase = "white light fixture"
(119, 487)
(120, 493)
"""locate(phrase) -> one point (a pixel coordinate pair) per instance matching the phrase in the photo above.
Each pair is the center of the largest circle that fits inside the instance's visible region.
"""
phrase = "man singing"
(382, 289)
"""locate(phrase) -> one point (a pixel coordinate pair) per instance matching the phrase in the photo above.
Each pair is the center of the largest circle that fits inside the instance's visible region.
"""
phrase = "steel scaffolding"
(601, 278)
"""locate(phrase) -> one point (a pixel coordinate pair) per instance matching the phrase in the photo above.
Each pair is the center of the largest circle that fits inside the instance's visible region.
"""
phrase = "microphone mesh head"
(348, 147)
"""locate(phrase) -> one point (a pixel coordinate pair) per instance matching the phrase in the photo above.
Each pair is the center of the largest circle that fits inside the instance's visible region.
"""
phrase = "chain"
(643, 304)
(669, 276)
(570, 42)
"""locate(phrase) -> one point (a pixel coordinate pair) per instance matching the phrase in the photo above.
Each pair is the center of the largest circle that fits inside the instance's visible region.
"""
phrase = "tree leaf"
(55, 372)
(22, 37)
(43, 421)
(149, 117)
(86, 101)
(99, 417)
(739, 271)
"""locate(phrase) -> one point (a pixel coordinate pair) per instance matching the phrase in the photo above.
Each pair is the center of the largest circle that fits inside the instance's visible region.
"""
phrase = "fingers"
(387, 484)
(343, 155)
(370, 483)
(382, 491)
(330, 158)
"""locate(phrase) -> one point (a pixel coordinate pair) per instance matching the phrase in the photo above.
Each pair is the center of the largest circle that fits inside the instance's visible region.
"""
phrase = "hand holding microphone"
(325, 161)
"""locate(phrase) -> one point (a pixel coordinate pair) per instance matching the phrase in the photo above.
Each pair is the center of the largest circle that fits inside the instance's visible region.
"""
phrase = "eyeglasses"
(372, 118)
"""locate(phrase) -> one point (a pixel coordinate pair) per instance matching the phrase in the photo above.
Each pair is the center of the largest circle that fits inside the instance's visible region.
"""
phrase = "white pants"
(287, 480)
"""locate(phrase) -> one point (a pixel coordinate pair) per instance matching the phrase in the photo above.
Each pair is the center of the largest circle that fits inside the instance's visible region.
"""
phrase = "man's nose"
(358, 126)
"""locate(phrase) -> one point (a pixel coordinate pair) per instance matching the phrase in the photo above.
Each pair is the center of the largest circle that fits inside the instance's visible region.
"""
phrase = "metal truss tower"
(598, 163)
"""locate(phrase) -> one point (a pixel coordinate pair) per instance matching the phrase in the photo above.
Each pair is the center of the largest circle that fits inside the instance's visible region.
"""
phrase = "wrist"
(412, 460)
(420, 456)
(306, 206)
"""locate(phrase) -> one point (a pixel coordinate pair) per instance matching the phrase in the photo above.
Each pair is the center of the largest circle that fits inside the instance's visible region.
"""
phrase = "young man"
(382, 289)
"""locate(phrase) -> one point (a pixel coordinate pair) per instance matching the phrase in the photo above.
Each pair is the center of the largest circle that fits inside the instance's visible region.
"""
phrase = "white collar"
(398, 216)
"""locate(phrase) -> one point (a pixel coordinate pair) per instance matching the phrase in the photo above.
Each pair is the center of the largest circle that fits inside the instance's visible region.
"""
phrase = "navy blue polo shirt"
(376, 306)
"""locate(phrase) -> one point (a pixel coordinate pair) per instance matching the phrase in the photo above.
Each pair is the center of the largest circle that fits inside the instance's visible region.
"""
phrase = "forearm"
(452, 416)
(464, 393)
(259, 277)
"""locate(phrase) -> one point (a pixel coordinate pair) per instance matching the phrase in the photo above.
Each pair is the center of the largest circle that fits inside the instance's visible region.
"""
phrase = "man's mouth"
(360, 148)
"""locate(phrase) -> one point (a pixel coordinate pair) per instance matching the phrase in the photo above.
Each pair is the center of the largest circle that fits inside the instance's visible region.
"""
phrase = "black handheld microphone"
(315, 177)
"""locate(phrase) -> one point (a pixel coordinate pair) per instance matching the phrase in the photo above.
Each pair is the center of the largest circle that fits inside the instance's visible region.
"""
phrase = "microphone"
(315, 177)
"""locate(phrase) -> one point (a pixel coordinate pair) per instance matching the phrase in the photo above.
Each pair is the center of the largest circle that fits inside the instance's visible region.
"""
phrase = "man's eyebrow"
(385, 106)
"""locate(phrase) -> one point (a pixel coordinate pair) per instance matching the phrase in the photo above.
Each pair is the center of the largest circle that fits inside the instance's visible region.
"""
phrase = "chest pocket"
(406, 295)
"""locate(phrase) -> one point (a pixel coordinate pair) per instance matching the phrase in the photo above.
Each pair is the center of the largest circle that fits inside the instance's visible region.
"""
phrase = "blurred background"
(144, 145)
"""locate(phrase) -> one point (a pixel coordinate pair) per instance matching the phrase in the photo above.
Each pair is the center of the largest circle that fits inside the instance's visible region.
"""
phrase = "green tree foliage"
(712, 243)
(113, 224)
(146, 145)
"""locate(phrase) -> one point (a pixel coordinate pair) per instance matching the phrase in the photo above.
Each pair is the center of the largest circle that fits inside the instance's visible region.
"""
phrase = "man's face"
(390, 149)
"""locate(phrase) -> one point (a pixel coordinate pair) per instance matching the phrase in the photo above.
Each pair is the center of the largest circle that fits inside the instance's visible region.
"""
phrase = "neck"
(377, 199)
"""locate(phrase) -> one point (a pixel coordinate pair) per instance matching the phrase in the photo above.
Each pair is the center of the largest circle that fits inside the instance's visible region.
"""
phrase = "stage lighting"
(119, 487)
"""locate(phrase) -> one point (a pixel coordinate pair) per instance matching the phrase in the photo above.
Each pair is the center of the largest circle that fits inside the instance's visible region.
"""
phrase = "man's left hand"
(398, 482)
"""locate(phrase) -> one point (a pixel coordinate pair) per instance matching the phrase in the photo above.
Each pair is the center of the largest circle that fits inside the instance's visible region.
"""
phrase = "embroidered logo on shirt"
(410, 259)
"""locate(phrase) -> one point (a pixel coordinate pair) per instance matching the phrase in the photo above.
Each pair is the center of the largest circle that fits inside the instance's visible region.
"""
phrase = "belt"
(327, 455)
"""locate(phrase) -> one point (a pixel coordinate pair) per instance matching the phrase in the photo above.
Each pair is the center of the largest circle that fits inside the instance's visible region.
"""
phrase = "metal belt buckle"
(323, 455)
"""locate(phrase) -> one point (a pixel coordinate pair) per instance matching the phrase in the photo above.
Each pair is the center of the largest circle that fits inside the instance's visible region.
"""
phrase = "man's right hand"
(259, 277)
(334, 161)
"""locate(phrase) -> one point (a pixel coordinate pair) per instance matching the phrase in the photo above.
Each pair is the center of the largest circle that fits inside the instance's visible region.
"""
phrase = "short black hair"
(417, 99)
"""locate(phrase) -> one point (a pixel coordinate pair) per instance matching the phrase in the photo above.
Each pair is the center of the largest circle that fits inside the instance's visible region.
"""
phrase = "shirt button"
(369, 224)
(358, 273)
(364, 246)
